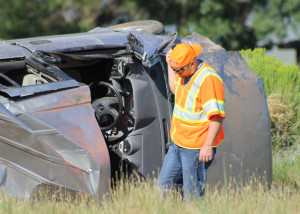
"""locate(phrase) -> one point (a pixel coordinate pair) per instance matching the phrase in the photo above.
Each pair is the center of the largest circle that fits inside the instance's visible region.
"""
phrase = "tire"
(148, 26)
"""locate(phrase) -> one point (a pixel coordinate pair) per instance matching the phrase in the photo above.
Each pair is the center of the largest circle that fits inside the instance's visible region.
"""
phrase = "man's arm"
(213, 130)
(171, 73)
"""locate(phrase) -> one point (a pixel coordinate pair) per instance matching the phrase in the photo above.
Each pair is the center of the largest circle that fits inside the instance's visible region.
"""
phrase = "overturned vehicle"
(78, 109)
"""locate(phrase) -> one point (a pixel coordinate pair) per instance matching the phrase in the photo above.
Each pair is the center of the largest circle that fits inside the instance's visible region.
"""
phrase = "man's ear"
(193, 63)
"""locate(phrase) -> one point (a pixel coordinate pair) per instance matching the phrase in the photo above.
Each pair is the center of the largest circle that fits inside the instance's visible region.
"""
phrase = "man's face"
(184, 73)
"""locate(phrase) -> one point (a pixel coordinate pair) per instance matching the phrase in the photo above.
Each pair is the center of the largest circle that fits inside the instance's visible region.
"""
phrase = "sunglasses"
(180, 69)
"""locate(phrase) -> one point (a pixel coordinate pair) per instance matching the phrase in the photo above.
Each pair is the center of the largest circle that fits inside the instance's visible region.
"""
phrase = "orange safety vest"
(195, 103)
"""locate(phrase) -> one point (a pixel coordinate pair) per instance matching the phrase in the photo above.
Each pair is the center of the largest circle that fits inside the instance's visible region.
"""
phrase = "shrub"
(277, 77)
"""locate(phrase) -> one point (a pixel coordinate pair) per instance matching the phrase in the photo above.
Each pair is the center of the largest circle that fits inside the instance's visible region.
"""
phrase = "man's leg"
(190, 164)
(171, 169)
(194, 172)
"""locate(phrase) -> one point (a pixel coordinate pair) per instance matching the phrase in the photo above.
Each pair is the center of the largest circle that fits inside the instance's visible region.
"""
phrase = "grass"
(142, 197)
(286, 168)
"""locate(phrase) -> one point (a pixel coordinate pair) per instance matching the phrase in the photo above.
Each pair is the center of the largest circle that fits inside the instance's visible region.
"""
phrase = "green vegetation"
(233, 24)
(32, 18)
(277, 77)
(282, 86)
(278, 18)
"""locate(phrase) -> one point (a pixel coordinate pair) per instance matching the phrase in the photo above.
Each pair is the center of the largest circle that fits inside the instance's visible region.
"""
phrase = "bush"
(282, 87)
(277, 77)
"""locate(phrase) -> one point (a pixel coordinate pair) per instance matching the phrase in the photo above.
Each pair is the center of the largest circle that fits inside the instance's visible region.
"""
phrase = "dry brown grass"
(283, 117)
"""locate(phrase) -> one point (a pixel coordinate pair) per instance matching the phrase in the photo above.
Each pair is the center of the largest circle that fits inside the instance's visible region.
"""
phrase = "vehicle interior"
(105, 74)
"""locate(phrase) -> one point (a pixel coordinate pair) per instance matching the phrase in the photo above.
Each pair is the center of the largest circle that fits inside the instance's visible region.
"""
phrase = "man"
(196, 126)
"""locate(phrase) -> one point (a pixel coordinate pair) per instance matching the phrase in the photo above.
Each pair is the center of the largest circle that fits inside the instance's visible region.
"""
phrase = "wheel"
(148, 26)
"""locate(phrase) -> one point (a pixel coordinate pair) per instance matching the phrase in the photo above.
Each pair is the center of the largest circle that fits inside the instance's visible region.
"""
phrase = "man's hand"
(171, 73)
(168, 56)
(205, 154)
(213, 130)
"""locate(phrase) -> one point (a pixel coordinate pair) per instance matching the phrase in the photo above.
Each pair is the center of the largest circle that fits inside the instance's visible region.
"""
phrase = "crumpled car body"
(77, 110)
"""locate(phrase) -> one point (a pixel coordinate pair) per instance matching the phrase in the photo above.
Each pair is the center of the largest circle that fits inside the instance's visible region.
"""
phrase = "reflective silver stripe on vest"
(189, 116)
(196, 86)
(214, 104)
